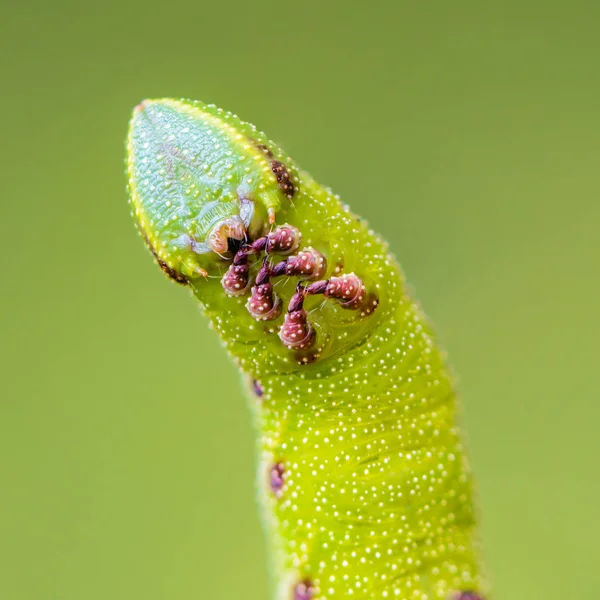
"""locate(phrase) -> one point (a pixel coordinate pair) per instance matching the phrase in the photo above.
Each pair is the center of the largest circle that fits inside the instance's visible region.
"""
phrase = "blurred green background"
(467, 132)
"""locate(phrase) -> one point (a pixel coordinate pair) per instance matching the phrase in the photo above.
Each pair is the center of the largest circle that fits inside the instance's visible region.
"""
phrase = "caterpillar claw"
(308, 263)
(236, 281)
(285, 239)
(297, 333)
(348, 289)
(264, 304)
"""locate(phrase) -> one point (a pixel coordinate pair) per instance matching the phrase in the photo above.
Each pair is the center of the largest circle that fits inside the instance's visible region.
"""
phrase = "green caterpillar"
(363, 477)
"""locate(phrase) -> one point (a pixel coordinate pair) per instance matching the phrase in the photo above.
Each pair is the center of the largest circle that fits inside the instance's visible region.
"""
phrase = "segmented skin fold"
(363, 479)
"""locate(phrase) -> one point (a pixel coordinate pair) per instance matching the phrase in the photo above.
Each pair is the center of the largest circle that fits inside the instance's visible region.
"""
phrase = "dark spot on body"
(265, 150)
(283, 178)
(257, 388)
(370, 305)
(176, 276)
(467, 595)
(307, 358)
(172, 273)
(304, 590)
(276, 478)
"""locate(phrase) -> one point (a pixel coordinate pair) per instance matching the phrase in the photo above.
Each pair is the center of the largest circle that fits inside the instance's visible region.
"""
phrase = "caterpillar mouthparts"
(364, 481)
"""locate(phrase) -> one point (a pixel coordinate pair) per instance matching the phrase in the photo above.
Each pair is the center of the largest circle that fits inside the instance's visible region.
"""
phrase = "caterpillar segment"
(363, 478)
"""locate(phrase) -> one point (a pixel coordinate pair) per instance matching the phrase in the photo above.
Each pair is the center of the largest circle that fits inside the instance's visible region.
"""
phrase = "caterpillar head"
(201, 182)
(212, 197)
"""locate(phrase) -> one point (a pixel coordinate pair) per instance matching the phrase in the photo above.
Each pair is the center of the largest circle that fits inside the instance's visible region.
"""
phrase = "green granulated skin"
(377, 494)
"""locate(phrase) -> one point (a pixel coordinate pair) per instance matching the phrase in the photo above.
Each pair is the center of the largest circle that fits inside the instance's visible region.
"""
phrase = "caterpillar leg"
(296, 333)
(282, 240)
(263, 301)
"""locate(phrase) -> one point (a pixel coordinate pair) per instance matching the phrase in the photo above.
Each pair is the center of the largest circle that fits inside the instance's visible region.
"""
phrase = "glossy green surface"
(466, 133)
(377, 498)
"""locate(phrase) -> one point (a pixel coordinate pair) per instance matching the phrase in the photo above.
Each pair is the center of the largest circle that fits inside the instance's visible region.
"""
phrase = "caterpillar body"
(363, 478)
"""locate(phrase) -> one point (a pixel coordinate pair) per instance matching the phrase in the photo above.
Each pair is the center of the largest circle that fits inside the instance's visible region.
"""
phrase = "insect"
(363, 479)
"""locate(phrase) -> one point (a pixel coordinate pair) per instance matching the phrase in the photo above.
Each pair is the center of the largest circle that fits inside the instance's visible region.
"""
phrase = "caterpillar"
(365, 487)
